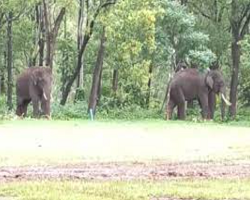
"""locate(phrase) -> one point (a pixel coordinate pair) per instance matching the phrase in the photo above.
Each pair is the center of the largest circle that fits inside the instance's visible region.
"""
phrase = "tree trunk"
(41, 35)
(9, 61)
(33, 57)
(2, 76)
(149, 84)
(235, 53)
(90, 27)
(99, 90)
(51, 32)
(76, 72)
(65, 58)
(222, 109)
(115, 80)
(235, 48)
(93, 98)
(1, 84)
(79, 82)
(79, 41)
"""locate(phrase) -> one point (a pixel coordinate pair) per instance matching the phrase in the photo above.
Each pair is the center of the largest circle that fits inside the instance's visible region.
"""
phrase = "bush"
(5, 114)
(113, 109)
(77, 110)
(132, 112)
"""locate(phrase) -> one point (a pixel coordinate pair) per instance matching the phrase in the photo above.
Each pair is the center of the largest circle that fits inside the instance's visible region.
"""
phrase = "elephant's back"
(189, 81)
(186, 76)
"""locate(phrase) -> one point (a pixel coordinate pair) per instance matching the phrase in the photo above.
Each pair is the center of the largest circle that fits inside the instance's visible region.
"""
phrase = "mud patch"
(127, 171)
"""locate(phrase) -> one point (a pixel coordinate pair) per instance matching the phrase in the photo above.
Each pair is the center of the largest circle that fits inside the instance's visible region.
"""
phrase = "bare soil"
(127, 171)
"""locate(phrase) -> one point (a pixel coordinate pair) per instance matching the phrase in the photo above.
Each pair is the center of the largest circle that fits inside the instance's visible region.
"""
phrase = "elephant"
(180, 66)
(189, 84)
(34, 85)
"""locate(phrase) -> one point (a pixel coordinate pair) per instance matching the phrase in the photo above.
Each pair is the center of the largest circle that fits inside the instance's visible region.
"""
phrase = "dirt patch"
(127, 171)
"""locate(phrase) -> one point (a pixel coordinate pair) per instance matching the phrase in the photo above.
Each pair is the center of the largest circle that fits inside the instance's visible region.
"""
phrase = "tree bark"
(65, 57)
(235, 48)
(1, 83)
(2, 76)
(51, 32)
(96, 81)
(99, 90)
(9, 61)
(150, 71)
(41, 35)
(240, 19)
(235, 54)
(79, 41)
(76, 72)
(115, 80)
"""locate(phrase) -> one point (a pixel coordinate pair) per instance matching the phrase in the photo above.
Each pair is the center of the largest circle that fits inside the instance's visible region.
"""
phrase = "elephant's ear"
(209, 82)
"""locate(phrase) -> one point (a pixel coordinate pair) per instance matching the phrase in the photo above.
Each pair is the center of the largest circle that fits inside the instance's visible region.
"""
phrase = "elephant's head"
(215, 82)
(42, 79)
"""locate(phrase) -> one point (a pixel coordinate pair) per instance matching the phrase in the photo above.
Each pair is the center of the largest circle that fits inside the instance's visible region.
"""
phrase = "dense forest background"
(116, 56)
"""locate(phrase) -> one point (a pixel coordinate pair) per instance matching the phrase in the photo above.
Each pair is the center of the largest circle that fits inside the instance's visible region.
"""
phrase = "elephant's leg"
(45, 105)
(181, 111)
(25, 107)
(35, 102)
(170, 107)
(204, 105)
(211, 104)
(19, 110)
(181, 103)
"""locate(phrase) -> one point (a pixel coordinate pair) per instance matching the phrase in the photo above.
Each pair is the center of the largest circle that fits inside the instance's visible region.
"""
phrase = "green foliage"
(177, 26)
(132, 112)
(202, 58)
(77, 110)
(5, 114)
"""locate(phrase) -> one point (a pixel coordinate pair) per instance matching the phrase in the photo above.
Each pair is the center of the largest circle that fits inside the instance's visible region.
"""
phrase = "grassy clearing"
(137, 190)
(32, 142)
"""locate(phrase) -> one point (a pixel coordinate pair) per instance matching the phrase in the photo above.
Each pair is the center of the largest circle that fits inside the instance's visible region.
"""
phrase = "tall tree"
(97, 76)
(90, 23)
(80, 26)
(51, 31)
(41, 32)
(239, 20)
(9, 60)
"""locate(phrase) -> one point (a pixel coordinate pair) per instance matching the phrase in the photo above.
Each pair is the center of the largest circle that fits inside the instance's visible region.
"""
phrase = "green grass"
(132, 190)
(25, 142)
(38, 142)
(144, 122)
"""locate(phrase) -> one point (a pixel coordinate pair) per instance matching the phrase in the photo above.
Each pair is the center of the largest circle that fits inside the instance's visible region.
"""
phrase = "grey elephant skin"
(189, 84)
(34, 85)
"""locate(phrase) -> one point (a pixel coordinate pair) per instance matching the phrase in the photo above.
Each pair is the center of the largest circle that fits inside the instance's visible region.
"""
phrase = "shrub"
(77, 110)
